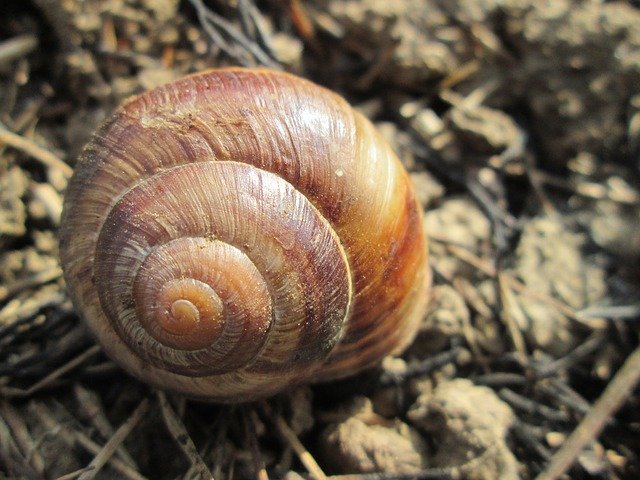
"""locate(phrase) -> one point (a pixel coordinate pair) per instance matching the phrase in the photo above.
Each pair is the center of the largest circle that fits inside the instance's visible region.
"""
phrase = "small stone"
(483, 129)
(288, 50)
(555, 439)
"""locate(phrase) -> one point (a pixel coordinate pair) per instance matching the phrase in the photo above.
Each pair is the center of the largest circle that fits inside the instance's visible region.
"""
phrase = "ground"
(519, 122)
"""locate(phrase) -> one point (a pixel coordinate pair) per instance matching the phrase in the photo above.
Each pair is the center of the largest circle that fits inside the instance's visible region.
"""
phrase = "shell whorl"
(238, 231)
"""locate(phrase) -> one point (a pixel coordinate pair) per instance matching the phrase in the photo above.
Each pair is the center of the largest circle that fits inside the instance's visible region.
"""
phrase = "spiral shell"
(239, 231)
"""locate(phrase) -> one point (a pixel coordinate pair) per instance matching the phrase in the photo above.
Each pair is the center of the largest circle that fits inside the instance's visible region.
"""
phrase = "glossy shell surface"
(239, 231)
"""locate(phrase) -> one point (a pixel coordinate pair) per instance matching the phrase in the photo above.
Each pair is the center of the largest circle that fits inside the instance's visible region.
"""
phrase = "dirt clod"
(365, 443)
(470, 424)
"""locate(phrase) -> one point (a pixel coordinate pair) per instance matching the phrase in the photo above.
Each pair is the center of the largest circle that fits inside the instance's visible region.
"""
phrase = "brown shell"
(239, 231)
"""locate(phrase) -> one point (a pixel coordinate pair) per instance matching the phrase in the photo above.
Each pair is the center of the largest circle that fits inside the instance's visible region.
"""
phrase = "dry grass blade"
(490, 271)
(182, 438)
(290, 437)
(611, 311)
(615, 394)
(511, 309)
(17, 392)
(43, 155)
(429, 474)
(17, 47)
(579, 353)
(118, 437)
(250, 429)
(457, 355)
(28, 306)
(216, 25)
(253, 25)
(74, 474)
(72, 437)
(532, 407)
(22, 437)
(39, 278)
(10, 456)
(90, 408)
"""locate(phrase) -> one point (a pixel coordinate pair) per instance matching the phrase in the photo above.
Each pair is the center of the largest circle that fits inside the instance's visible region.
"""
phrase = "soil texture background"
(519, 122)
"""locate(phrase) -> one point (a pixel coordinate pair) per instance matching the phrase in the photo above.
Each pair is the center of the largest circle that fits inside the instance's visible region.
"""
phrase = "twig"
(50, 199)
(211, 21)
(10, 457)
(290, 437)
(118, 437)
(452, 473)
(91, 409)
(57, 373)
(22, 437)
(250, 430)
(72, 437)
(218, 448)
(250, 19)
(485, 267)
(182, 437)
(592, 424)
(590, 190)
(526, 404)
(611, 311)
(460, 74)
(580, 352)
(30, 148)
(303, 24)
(502, 222)
(500, 379)
(538, 187)
(509, 309)
(425, 367)
(39, 363)
(28, 306)
(17, 47)
(384, 57)
(74, 474)
(525, 434)
(472, 298)
(562, 394)
(39, 278)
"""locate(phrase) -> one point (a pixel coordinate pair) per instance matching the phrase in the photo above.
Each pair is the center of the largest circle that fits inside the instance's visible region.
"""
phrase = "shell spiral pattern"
(239, 231)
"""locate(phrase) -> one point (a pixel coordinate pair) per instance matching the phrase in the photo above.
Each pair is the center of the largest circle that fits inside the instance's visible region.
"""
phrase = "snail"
(239, 231)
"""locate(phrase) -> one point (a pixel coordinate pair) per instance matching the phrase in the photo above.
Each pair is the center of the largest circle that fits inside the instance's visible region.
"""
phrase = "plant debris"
(519, 122)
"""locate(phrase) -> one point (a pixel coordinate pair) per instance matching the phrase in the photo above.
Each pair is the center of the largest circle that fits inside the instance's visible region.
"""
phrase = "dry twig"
(57, 373)
(182, 437)
(22, 437)
(39, 278)
(91, 409)
(17, 47)
(118, 437)
(72, 437)
(290, 437)
(610, 401)
(27, 146)
(250, 430)
(218, 27)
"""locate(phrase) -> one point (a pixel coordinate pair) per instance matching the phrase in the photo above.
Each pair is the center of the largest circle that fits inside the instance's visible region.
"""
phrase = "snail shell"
(238, 231)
